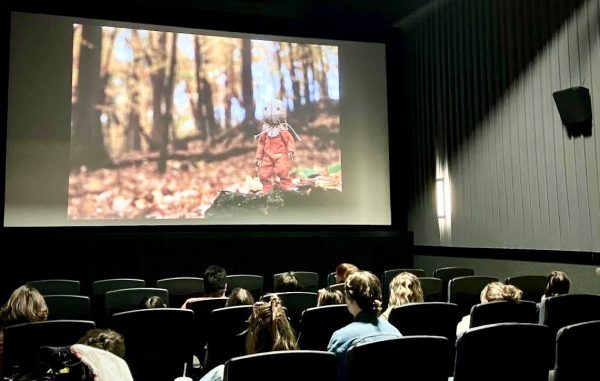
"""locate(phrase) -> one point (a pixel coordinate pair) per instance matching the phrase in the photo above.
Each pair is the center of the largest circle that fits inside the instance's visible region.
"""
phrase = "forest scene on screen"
(163, 124)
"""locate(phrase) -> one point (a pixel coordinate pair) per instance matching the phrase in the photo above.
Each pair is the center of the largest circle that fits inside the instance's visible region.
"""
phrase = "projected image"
(168, 125)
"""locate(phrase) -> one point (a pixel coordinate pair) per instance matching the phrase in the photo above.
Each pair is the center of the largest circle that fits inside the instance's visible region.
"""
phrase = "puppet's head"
(274, 112)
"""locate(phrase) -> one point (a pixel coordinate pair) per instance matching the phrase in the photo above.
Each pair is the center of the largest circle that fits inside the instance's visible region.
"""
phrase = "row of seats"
(157, 347)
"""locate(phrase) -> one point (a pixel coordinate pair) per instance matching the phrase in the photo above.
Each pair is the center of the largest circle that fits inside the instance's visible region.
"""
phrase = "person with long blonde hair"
(404, 288)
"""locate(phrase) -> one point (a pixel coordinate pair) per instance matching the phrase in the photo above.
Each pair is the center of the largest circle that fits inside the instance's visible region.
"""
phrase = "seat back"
(331, 279)
(388, 275)
(99, 290)
(296, 303)
(446, 274)
(131, 299)
(252, 283)
(68, 307)
(533, 286)
(563, 310)
(424, 358)
(308, 280)
(466, 291)
(22, 341)
(158, 340)
(338, 286)
(432, 289)
(288, 365)
(525, 351)
(226, 334)
(181, 289)
(524, 311)
(576, 356)
(202, 310)
(429, 319)
(57, 286)
(317, 324)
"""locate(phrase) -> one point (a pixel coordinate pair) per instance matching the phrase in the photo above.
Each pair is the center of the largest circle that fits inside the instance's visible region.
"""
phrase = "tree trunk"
(88, 147)
(295, 81)
(306, 65)
(133, 138)
(167, 116)
(282, 94)
(323, 74)
(158, 87)
(247, 90)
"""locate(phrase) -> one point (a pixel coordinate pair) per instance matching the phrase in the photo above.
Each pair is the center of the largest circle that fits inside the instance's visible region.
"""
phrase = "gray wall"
(583, 277)
(481, 76)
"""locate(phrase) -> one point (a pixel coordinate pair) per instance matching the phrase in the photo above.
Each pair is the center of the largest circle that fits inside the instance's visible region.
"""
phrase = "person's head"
(106, 339)
(274, 112)
(363, 293)
(269, 328)
(497, 291)
(239, 297)
(287, 282)
(343, 270)
(405, 288)
(330, 297)
(26, 304)
(557, 283)
(215, 281)
(154, 302)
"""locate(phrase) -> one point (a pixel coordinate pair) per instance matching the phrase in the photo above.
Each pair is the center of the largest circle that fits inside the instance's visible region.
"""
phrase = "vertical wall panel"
(484, 73)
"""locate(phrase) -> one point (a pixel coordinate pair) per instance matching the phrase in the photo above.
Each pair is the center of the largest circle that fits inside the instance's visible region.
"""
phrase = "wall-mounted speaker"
(575, 108)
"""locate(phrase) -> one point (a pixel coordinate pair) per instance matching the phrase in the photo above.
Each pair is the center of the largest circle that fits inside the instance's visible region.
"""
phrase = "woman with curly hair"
(404, 288)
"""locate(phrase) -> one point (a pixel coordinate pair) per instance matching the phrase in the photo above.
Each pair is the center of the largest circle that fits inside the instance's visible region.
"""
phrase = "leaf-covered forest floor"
(190, 186)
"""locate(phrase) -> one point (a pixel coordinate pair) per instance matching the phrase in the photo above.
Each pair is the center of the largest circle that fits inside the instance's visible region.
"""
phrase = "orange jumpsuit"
(273, 155)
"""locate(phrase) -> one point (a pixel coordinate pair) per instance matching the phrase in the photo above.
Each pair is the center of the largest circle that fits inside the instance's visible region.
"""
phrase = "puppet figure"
(275, 148)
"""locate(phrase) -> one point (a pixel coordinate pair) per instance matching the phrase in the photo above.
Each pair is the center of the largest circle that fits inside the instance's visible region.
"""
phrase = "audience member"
(153, 302)
(492, 292)
(215, 284)
(557, 283)
(363, 298)
(330, 297)
(268, 330)
(25, 305)
(106, 339)
(239, 297)
(287, 282)
(343, 271)
(404, 288)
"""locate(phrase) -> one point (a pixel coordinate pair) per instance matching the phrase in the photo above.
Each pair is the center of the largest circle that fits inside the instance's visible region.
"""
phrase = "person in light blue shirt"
(363, 299)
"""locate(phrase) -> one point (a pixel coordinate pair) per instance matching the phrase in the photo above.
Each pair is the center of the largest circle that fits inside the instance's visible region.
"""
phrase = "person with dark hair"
(343, 271)
(153, 302)
(215, 284)
(287, 282)
(363, 299)
(239, 297)
(557, 283)
(329, 297)
(268, 330)
(106, 339)
(25, 305)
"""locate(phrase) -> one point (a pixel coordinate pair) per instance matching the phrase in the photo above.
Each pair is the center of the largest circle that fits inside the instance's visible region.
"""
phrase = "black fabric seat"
(181, 289)
(73, 307)
(466, 291)
(446, 274)
(22, 341)
(576, 352)
(432, 289)
(202, 310)
(158, 341)
(56, 286)
(288, 365)
(563, 310)
(525, 351)
(252, 283)
(308, 280)
(317, 324)
(99, 290)
(524, 311)
(226, 334)
(423, 358)
(533, 286)
(295, 303)
(131, 299)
